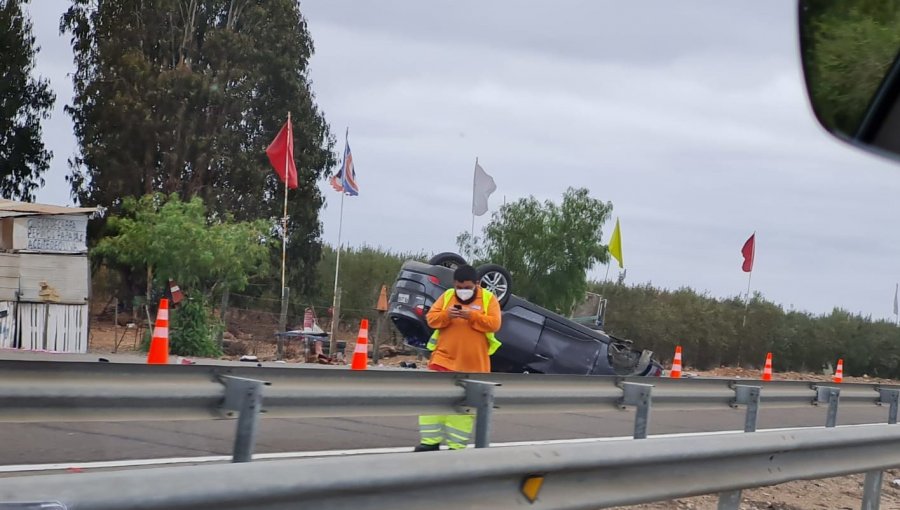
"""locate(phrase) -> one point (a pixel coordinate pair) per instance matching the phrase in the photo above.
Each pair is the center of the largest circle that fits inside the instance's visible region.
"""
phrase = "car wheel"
(447, 259)
(497, 280)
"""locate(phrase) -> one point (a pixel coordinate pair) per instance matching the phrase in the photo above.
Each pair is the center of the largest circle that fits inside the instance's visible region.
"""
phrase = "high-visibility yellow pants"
(455, 429)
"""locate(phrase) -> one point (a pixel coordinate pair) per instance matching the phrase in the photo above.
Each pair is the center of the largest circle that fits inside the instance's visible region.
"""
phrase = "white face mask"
(465, 294)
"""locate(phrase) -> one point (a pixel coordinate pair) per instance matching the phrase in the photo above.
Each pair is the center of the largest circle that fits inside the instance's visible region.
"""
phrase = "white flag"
(481, 189)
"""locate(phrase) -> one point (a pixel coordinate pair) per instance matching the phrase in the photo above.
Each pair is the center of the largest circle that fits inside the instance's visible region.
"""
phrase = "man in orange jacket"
(464, 320)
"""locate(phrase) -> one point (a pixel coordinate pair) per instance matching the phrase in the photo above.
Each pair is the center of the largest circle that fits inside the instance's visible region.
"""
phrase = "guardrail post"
(480, 396)
(891, 397)
(243, 396)
(872, 490)
(872, 485)
(748, 396)
(639, 395)
(831, 396)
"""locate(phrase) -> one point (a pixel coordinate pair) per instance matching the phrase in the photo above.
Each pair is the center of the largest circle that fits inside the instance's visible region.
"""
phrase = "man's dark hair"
(465, 273)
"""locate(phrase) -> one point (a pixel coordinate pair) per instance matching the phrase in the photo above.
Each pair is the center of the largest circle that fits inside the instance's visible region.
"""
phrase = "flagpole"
(896, 309)
(335, 304)
(284, 217)
(337, 272)
(747, 304)
(474, 173)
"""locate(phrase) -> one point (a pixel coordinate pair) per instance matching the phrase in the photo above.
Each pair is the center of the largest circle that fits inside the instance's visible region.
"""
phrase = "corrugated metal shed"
(11, 208)
(44, 276)
(49, 327)
(24, 274)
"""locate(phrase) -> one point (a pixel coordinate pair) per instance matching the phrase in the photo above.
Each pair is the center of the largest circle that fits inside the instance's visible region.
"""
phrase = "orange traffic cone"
(839, 372)
(767, 371)
(676, 364)
(361, 353)
(159, 343)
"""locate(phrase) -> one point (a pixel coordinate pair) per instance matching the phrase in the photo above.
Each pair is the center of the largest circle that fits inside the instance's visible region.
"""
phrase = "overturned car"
(535, 340)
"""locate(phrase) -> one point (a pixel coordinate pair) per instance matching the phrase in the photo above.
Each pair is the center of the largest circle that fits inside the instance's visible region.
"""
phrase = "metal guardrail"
(39, 391)
(576, 476)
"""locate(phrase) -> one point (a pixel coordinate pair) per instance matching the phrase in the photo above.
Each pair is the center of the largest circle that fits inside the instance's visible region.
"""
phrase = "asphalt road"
(45, 443)
(39, 443)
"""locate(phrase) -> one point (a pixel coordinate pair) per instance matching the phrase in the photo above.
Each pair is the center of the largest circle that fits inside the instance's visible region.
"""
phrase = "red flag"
(748, 251)
(281, 155)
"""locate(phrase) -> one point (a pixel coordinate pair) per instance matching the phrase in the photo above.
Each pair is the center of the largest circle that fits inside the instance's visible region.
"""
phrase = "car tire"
(497, 280)
(447, 259)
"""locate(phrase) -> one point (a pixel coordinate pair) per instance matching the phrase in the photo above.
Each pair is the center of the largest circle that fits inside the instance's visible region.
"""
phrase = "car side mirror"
(849, 50)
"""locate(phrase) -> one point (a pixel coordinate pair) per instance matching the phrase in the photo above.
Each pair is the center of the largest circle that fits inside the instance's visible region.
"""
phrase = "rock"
(895, 483)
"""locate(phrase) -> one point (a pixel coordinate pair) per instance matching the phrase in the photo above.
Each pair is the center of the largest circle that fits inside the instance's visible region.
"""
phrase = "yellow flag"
(615, 244)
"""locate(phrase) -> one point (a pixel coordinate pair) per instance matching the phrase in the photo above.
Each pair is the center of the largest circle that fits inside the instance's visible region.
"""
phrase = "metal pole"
(282, 322)
(749, 396)
(474, 175)
(248, 419)
(244, 396)
(874, 479)
(284, 218)
(892, 397)
(336, 303)
(832, 396)
(872, 490)
(223, 313)
(639, 395)
(379, 333)
(747, 304)
(116, 326)
(480, 397)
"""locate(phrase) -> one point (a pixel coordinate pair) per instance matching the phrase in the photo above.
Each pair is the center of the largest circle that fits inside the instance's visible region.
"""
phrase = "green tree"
(24, 101)
(171, 238)
(849, 45)
(183, 96)
(547, 247)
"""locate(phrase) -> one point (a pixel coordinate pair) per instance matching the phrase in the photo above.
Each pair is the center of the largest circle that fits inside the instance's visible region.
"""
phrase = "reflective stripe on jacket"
(493, 343)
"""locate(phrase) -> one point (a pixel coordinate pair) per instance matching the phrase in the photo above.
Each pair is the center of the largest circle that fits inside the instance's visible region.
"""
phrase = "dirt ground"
(745, 373)
(830, 494)
(843, 493)
(105, 336)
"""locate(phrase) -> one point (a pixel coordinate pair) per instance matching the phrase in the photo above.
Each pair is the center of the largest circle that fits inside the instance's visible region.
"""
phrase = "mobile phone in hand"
(457, 307)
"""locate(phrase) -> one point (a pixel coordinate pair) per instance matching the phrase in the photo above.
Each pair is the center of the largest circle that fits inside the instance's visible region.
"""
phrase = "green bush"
(194, 330)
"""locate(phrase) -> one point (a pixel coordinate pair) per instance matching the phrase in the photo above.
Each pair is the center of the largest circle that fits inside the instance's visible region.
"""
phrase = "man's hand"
(459, 313)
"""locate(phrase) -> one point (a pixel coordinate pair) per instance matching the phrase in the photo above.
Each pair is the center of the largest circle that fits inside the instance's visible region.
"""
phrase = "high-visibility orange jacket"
(463, 346)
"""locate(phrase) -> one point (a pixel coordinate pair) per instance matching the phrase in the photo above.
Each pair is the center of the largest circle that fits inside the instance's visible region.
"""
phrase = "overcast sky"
(691, 117)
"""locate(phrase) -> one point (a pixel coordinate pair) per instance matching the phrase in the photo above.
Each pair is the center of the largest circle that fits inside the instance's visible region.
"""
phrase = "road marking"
(114, 464)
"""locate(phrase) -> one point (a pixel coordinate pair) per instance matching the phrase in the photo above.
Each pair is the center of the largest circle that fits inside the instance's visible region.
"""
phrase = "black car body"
(535, 340)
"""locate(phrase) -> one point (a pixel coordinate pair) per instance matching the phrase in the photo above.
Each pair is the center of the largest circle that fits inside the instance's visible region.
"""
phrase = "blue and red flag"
(344, 181)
